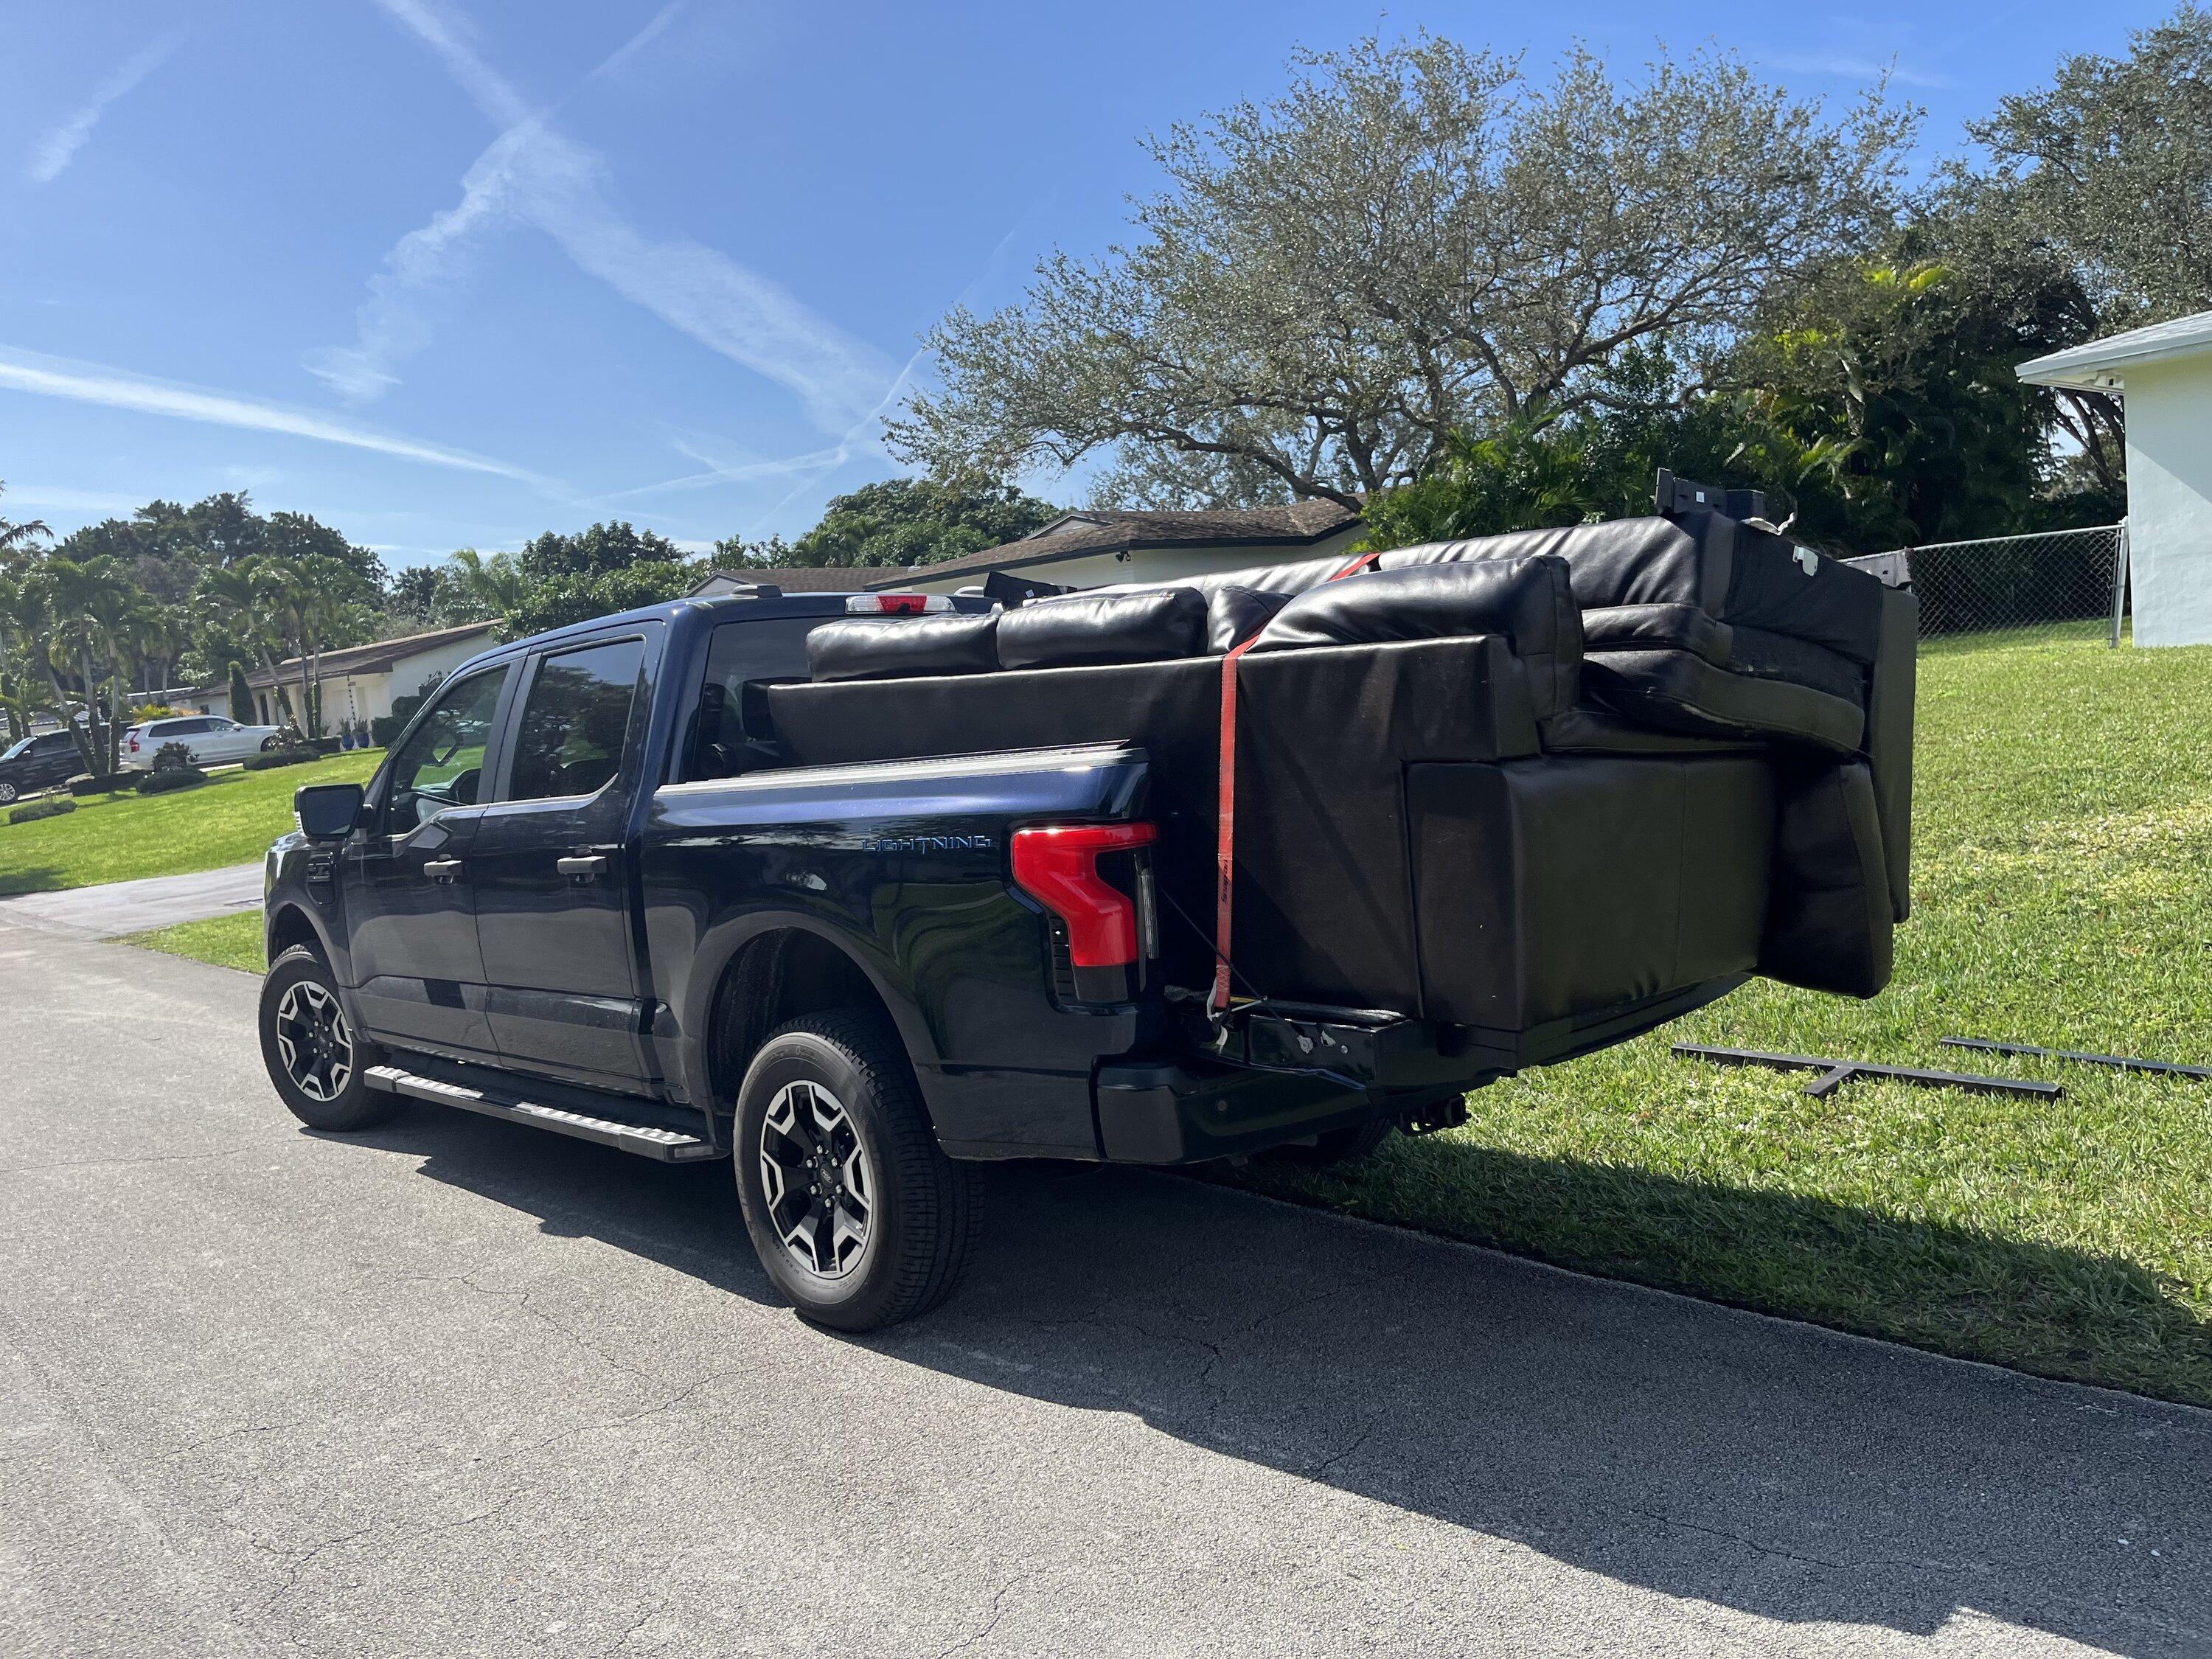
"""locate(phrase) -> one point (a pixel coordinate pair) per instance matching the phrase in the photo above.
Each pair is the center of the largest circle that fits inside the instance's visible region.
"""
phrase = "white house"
(359, 683)
(2163, 374)
(1098, 548)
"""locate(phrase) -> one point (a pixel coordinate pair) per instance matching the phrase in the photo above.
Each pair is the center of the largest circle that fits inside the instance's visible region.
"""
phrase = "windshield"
(16, 748)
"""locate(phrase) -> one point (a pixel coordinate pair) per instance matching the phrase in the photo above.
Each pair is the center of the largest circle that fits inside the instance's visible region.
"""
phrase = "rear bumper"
(1279, 1077)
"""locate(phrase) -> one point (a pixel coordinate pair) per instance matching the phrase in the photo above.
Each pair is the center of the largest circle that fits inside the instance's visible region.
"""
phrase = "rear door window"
(730, 733)
(575, 722)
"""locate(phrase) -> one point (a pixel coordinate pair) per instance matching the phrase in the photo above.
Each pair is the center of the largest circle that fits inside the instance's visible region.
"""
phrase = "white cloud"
(1849, 68)
(58, 148)
(91, 383)
(58, 499)
(534, 174)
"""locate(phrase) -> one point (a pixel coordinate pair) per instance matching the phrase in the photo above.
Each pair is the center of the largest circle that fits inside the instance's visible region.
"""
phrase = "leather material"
(1829, 926)
(1774, 584)
(1234, 615)
(1324, 886)
(1764, 655)
(1889, 740)
(882, 647)
(1658, 627)
(1622, 561)
(1528, 601)
(1585, 730)
(1755, 651)
(1563, 888)
(1086, 631)
(1326, 734)
(1676, 691)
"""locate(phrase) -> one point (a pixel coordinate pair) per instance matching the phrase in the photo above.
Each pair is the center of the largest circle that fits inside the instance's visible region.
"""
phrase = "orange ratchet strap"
(1224, 854)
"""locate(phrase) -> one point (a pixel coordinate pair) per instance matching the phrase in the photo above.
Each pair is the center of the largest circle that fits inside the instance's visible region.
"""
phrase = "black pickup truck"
(859, 891)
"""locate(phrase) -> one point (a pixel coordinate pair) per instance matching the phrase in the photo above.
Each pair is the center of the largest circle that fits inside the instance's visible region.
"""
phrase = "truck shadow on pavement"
(1774, 1468)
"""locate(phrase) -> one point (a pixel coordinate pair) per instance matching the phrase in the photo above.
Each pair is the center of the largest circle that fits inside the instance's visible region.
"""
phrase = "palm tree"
(231, 598)
(56, 603)
(16, 538)
(497, 585)
(22, 695)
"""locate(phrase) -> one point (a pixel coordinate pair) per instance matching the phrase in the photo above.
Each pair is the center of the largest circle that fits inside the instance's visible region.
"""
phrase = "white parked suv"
(211, 738)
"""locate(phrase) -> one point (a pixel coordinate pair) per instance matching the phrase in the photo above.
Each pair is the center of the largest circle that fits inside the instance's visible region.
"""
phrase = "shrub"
(154, 711)
(384, 730)
(159, 783)
(52, 807)
(172, 758)
(271, 758)
(85, 784)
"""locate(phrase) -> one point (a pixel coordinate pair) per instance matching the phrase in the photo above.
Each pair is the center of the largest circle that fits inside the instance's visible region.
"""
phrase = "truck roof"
(672, 612)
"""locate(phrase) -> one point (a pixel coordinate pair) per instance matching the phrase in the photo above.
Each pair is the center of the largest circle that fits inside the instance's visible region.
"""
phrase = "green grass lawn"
(232, 941)
(2061, 886)
(227, 820)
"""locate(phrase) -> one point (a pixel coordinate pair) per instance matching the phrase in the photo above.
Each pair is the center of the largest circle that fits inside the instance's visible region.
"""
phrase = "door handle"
(441, 869)
(584, 866)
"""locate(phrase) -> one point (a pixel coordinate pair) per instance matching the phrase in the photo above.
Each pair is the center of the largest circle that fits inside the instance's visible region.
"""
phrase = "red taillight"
(1058, 866)
(895, 605)
(133, 743)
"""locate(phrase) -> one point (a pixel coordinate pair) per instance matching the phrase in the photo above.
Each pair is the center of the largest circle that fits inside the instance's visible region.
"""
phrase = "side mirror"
(328, 812)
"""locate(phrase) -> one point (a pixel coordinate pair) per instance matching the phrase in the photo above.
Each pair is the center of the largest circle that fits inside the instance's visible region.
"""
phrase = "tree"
(1888, 404)
(911, 522)
(231, 602)
(494, 586)
(241, 695)
(566, 599)
(1413, 241)
(17, 536)
(593, 552)
(593, 572)
(2113, 162)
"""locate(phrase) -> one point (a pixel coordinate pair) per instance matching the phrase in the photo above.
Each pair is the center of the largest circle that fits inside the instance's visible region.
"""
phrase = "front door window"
(442, 766)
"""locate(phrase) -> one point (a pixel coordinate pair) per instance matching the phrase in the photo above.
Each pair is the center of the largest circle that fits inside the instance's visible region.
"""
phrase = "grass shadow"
(2049, 1309)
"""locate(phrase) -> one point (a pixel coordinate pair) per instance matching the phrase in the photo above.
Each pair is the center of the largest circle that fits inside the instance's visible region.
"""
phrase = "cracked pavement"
(453, 1387)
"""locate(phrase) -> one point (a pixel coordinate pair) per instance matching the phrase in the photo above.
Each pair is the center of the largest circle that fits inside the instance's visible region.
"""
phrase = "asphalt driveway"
(130, 907)
(454, 1388)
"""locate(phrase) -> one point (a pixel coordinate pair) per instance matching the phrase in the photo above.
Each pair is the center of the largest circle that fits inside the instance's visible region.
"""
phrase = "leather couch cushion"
(1095, 629)
(1527, 601)
(1234, 615)
(1680, 691)
(1829, 925)
(1757, 652)
(893, 647)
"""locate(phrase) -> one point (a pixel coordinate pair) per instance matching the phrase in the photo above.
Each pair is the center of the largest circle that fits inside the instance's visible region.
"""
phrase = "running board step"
(668, 1145)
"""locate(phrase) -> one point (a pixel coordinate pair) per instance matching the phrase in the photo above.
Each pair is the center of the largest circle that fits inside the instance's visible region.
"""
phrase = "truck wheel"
(858, 1217)
(7, 794)
(1331, 1147)
(321, 1068)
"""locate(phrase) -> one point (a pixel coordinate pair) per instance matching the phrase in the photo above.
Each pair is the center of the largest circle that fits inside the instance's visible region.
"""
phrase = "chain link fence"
(2056, 586)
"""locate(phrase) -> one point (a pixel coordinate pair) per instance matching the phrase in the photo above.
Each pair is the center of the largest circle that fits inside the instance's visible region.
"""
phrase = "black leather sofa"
(1551, 788)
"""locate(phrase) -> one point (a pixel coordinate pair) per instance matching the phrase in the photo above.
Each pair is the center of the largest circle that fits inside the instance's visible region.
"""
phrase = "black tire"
(7, 794)
(320, 1067)
(1331, 1147)
(919, 1207)
(270, 745)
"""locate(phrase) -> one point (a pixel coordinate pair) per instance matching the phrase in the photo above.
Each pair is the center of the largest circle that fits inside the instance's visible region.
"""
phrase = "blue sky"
(449, 274)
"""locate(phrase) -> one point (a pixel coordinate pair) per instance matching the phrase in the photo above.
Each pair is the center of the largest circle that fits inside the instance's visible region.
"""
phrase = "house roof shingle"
(376, 657)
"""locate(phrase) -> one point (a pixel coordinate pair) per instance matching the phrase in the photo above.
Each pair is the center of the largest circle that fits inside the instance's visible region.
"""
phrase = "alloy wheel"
(815, 1176)
(314, 1041)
